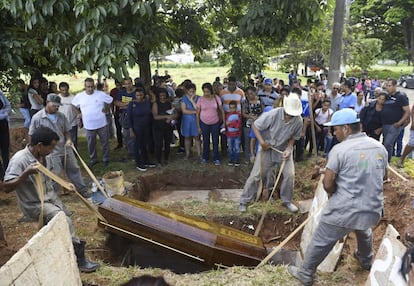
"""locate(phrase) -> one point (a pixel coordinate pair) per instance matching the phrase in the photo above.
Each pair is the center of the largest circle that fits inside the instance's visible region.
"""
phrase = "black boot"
(84, 265)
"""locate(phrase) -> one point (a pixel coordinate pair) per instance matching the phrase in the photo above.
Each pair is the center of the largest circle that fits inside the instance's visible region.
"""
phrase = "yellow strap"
(68, 186)
(41, 193)
(153, 241)
(89, 172)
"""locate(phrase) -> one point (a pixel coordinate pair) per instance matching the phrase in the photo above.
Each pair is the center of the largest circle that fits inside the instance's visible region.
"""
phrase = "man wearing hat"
(284, 125)
(353, 178)
(268, 95)
(50, 117)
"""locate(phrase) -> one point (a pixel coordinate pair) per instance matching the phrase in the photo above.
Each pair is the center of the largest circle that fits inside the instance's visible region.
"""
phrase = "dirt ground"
(398, 199)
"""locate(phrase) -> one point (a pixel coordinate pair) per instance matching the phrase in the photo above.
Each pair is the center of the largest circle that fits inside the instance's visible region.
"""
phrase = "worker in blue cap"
(353, 178)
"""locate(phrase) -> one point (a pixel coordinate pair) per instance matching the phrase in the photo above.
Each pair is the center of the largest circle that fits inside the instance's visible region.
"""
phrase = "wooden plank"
(387, 262)
(329, 264)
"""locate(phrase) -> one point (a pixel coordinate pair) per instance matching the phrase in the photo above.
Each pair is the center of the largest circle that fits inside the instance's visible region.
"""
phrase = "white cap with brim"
(292, 105)
(343, 117)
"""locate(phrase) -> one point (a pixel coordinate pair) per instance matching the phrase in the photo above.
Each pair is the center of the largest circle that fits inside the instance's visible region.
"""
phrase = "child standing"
(233, 132)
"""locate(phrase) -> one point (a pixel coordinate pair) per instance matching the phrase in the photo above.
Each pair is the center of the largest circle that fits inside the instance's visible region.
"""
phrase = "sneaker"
(242, 208)
(203, 161)
(295, 272)
(237, 164)
(364, 265)
(291, 207)
(230, 163)
(150, 165)
(118, 147)
(141, 168)
(181, 151)
(217, 162)
(92, 163)
(86, 194)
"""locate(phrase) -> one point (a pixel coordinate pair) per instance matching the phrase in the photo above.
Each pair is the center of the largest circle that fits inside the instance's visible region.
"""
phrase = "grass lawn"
(198, 75)
(202, 74)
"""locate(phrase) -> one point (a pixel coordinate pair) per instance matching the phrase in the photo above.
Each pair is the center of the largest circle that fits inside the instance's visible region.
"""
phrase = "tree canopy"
(101, 36)
(65, 36)
(390, 21)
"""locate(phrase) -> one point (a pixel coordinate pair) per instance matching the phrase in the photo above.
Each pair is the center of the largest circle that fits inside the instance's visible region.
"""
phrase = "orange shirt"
(228, 96)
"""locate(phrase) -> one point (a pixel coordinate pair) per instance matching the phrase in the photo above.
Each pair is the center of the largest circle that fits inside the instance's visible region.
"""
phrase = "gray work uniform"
(360, 164)
(57, 157)
(280, 132)
(27, 193)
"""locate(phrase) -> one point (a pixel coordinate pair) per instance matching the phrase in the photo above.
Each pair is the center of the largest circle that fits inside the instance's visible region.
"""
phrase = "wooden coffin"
(207, 242)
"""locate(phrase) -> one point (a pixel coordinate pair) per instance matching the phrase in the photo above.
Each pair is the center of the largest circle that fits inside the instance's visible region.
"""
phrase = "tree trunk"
(143, 61)
(336, 43)
(346, 39)
(408, 32)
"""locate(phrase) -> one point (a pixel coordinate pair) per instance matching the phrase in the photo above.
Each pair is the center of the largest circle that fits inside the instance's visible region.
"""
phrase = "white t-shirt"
(91, 106)
(67, 109)
(322, 117)
(32, 100)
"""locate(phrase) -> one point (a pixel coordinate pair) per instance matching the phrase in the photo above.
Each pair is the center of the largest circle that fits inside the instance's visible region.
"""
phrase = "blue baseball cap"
(343, 117)
(267, 108)
(268, 81)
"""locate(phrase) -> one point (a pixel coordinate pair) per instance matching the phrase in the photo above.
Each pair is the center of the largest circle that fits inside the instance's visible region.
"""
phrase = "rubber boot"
(84, 265)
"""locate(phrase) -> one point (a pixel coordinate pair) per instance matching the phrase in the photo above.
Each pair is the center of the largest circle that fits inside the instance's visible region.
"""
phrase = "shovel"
(260, 225)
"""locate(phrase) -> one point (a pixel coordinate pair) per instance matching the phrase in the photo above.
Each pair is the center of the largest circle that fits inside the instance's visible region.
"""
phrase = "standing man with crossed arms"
(93, 105)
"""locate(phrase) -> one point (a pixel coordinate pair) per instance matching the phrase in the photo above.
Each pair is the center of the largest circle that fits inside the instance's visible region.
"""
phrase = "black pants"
(117, 120)
(163, 134)
(4, 146)
(140, 145)
(33, 112)
(181, 137)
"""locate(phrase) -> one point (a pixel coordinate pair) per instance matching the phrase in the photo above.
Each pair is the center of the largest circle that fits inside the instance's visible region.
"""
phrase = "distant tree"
(250, 30)
(390, 21)
(364, 52)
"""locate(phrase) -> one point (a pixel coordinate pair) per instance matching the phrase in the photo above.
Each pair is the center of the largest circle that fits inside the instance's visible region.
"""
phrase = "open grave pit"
(208, 196)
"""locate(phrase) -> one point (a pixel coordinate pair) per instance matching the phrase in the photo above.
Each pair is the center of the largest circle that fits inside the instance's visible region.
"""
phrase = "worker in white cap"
(283, 125)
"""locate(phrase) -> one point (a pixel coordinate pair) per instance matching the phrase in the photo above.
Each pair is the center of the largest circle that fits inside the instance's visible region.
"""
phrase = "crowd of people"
(266, 124)
(145, 119)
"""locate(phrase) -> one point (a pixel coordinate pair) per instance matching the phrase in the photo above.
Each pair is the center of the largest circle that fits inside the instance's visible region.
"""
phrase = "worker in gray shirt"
(284, 126)
(354, 178)
(20, 177)
(50, 117)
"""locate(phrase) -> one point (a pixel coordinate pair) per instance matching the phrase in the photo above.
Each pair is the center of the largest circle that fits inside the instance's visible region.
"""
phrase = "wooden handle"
(90, 172)
(260, 225)
(287, 239)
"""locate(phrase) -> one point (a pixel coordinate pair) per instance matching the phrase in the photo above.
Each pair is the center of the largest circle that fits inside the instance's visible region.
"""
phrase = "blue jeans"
(399, 144)
(390, 135)
(206, 131)
(27, 117)
(233, 144)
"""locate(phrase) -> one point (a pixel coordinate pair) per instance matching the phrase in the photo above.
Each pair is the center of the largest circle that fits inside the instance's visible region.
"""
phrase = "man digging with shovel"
(284, 126)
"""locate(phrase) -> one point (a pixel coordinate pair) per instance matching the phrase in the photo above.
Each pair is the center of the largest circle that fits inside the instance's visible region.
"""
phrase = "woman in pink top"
(209, 107)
